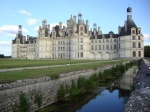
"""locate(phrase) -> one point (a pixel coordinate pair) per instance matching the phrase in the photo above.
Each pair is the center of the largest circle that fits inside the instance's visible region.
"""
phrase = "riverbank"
(139, 100)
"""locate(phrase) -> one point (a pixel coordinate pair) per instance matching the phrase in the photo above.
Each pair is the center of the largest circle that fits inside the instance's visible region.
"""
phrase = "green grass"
(148, 59)
(17, 63)
(11, 76)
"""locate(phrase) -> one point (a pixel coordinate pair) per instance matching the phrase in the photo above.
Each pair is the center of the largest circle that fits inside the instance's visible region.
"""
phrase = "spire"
(20, 30)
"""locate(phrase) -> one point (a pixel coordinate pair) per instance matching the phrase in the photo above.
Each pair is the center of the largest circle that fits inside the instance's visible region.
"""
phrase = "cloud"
(11, 30)
(145, 44)
(32, 21)
(36, 28)
(25, 12)
(146, 36)
(5, 43)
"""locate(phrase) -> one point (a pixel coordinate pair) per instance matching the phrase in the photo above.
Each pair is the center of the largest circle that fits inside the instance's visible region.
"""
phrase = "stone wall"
(139, 100)
(9, 93)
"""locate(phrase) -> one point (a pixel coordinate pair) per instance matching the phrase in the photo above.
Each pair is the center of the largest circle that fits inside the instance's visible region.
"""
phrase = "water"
(111, 99)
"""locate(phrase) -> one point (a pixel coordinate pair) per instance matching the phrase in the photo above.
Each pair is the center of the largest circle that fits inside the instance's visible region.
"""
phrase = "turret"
(79, 18)
(19, 30)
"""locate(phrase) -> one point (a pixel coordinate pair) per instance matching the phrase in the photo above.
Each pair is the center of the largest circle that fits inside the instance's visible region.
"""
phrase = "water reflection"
(112, 99)
(126, 81)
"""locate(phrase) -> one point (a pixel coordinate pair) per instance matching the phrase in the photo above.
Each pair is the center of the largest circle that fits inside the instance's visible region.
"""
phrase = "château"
(78, 41)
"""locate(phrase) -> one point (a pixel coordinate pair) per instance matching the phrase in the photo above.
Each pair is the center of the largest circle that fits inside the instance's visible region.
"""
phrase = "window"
(53, 33)
(107, 40)
(91, 41)
(95, 47)
(81, 40)
(81, 47)
(133, 32)
(81, 33)
(78, 54)
(92, 47)
(78, 40)
(114, 40)
(107, 47)
(81, 28)
(139, 31)
(99, 40)
(134, 45)
(103, 47)
(139, 53)
(139, 45)
(82, 54)
(139, 37)
(99, 47)
(134, 54)
(133, 37)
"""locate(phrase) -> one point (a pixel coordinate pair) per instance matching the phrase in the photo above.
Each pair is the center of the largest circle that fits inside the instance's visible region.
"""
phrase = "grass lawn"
(16, 63)
(148, 59)
(36, 73)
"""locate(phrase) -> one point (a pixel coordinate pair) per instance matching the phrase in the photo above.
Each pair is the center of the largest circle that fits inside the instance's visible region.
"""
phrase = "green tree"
(25, 102)
(147, 51)
(2, 56)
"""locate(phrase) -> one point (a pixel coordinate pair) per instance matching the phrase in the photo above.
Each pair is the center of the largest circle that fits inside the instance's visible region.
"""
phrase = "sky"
(108, 14)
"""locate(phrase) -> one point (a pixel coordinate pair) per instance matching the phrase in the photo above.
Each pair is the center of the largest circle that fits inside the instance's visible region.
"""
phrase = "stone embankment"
(139, 100)
(9, 93)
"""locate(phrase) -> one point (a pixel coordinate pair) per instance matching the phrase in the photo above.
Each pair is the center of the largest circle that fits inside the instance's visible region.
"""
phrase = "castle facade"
(77, 41)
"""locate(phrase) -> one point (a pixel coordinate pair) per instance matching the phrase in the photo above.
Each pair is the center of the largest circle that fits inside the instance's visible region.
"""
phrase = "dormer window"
(81, 28)
(133, 37)
(139, 32)
(133, 31)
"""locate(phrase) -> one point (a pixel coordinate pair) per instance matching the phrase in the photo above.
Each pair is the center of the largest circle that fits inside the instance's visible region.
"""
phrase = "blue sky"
(108, 14)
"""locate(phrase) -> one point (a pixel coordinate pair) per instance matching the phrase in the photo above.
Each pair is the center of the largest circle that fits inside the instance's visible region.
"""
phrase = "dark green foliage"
(54, 77)
(74, 90)
(80, 82)
(38, 99)
(2, 56)
(61, 92)
(94, 77)
(25, 102)
(89, 85)
(146, 51)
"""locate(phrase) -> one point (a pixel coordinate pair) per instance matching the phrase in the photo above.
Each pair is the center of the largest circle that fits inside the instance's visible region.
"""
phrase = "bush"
(61, 92)
(80, 82)
(38, 99)
(74, 90)
(89, 85)
(25, 102)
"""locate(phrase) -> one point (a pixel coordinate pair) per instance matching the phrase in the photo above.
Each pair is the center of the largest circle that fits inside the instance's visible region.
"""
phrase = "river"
(110, 99)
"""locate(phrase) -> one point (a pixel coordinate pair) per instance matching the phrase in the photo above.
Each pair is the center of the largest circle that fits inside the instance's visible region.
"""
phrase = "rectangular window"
(133, 32)
(133, 37)
(139, 53)
(82, 54)
(99, 40)
(103, 47)
(81, 28)
(99, 47)
(139, 37)
(81, 40)
(78, 54)
(139, 31)
(107, 40)
(134, 45)
(95, 47)
(139, 45)
(92, 47)
(114, 40)
(107, 47)
(134, 54)
(81, 47)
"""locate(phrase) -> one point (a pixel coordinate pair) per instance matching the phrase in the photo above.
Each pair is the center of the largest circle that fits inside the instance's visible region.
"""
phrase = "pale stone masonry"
(77, 41)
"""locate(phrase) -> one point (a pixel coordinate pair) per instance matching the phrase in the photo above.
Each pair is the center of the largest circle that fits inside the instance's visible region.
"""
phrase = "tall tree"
(147, 51)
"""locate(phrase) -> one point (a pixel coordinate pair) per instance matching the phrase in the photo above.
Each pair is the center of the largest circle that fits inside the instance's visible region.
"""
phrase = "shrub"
(61, 92)
(25, 102)
(38, 99)
(80, 82)
(74, 90)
